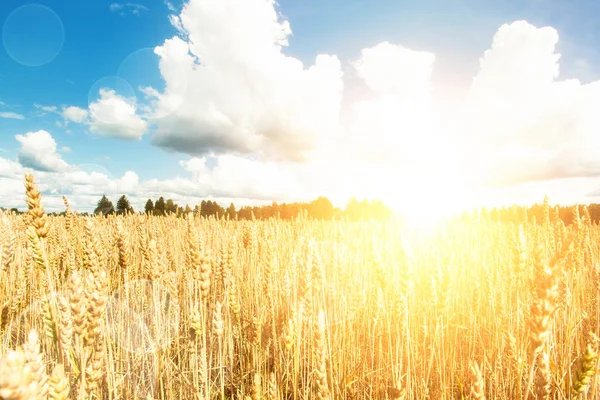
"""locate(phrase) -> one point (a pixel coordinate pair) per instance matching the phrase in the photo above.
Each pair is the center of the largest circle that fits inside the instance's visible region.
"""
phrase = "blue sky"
(96, 42)
(108, 39)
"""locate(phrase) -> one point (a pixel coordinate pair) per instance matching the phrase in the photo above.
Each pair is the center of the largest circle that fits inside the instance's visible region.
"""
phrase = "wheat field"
(145, 307)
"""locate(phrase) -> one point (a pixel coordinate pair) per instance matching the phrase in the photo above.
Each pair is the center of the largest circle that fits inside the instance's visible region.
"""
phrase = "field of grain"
(139, 307)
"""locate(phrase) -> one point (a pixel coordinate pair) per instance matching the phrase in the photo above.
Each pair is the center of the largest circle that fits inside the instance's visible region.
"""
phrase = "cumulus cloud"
(74, 114)
(114, 116)
(9, 169)
(246, 113)
(231, 176)
(38, 151)
(520, 122)
(234, 176)
(10, 115)
(242, 93)
(388, 68)
(111, 115)
(85, 184)
(395, 121)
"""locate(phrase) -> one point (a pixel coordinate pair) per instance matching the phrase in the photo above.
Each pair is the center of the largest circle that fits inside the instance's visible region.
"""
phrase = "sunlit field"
(140, 307)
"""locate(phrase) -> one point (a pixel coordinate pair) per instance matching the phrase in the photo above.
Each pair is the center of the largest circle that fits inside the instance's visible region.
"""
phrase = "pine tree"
(123, 205)
(149, 207)
(159, 206)
(105, 206)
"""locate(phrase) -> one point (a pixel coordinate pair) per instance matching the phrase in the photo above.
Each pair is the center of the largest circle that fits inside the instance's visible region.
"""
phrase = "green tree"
(104, 206)
(149, 207)
(159, 206)
(123, 205)
(170, 207)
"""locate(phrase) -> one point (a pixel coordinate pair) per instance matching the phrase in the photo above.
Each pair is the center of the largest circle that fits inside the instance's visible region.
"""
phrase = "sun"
(427, 192)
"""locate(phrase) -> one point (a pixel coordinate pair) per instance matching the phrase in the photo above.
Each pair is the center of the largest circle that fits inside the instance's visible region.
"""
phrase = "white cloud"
(124, 8)
(115, 116)
(234, 176)
(519, 122)
(75, 114)
(9, 169)
(245, 95)
(65, 149)
(84, 185)
(229, 179)
(523, 124)
(388, 68)
(38, 151)
(10, 115)
(395, 122)
(45, 108)
(111, 115)
(235, 102)
(170, 6)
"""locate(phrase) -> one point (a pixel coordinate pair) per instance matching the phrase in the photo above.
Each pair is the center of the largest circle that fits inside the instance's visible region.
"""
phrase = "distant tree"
(159, 206)
(321, 208)
(104, 206)
(231, 211)
(149, 207)
(170, 207)
(353, 209)
(219, 211)
(123, 205)
(245, 213)
(594, 212)
(379, 210)
(210, 208)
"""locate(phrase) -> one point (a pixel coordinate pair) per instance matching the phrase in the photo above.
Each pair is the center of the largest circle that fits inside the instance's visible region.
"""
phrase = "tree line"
(321, 208)
(537, 213)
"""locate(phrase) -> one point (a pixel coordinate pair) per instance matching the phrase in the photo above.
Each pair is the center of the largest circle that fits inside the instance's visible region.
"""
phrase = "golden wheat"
(137, 306)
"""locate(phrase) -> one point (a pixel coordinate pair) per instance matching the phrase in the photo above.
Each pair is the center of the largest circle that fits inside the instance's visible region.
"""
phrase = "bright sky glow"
(427, 106)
